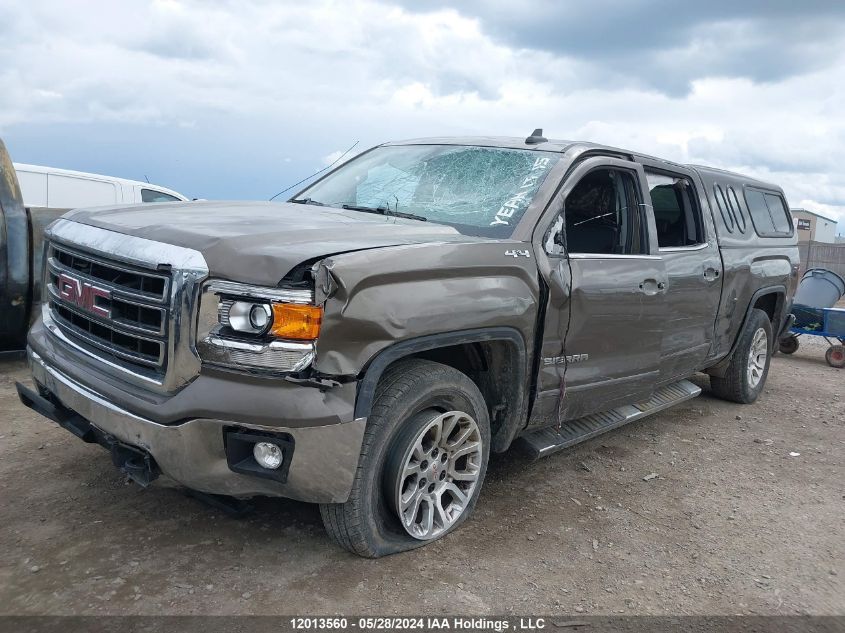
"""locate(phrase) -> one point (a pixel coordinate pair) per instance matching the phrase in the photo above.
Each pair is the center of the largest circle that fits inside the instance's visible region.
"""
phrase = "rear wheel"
(835, 356)
(789, 344)
(422, 463)
(746, 374)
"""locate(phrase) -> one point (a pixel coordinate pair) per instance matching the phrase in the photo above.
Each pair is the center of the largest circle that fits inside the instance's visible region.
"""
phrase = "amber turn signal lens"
(296, 321)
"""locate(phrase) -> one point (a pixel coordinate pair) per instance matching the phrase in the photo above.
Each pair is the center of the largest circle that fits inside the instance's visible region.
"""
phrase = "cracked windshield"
(480, 191)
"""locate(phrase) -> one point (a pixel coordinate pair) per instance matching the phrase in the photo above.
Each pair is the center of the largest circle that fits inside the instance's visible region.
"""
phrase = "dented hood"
(259, 242)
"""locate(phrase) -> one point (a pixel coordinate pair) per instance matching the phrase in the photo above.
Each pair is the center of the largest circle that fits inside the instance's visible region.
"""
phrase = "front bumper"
(192, 452)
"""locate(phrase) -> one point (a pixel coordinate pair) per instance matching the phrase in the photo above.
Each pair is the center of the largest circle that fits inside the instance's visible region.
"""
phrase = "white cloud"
(314, 77)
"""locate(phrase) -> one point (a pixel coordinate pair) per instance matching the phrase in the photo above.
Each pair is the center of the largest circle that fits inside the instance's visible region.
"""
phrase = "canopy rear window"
(768, 213)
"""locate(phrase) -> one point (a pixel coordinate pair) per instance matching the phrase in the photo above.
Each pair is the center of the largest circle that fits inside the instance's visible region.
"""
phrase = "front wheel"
(430, 483)
(422, 463)
(746, 374)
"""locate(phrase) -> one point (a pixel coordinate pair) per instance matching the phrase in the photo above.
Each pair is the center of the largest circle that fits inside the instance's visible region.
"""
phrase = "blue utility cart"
(826, 322)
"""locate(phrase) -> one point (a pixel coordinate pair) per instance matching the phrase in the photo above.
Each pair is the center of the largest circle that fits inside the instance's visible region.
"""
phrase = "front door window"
(603, 216)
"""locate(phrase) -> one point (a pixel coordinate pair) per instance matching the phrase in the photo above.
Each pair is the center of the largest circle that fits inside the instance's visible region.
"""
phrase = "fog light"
(268, 455)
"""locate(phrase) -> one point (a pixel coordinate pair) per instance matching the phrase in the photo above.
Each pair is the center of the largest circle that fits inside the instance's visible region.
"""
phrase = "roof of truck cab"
(509, 142)
(518, 142)
(561, 146)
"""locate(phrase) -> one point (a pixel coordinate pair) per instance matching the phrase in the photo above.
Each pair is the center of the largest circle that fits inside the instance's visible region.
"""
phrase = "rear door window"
(676, 214)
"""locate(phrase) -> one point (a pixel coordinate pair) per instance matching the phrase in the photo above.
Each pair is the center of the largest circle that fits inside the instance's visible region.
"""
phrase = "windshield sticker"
(520, 200)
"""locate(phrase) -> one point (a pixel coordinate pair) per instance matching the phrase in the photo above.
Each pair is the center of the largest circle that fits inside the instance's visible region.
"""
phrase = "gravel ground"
(745, 515)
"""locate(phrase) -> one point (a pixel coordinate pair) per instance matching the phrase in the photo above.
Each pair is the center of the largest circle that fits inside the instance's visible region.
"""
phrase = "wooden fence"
(822, 255)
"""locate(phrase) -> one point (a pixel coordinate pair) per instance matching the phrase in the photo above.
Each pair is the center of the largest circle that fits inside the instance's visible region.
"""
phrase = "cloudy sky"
(239, 99)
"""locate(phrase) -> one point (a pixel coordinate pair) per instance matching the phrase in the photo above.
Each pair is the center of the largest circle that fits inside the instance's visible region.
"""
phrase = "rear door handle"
(651, 287)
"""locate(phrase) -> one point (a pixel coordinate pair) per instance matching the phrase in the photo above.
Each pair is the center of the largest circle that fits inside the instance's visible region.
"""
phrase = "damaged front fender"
(443, 302)
(376, 298)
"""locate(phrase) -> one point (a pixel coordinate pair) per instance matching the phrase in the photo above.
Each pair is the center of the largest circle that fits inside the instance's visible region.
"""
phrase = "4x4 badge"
(518, 253)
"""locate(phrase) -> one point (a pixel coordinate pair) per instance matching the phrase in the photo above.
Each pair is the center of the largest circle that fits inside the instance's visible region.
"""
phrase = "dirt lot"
(732, 524)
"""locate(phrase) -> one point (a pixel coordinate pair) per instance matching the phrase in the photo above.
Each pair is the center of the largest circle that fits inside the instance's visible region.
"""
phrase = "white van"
(64, 189)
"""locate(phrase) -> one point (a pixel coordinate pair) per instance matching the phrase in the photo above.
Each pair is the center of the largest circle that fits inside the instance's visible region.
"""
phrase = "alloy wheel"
(438, 475)
(757, 357)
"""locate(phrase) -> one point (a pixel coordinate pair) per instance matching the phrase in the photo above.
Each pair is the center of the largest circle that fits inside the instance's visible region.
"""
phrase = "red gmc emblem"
(84, 295)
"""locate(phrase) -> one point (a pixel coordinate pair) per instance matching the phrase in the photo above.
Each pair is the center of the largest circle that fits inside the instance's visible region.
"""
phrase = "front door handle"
(711, 274)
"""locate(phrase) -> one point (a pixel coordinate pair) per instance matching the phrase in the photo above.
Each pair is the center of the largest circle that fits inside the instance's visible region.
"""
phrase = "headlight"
(257, 328)
(248, 317)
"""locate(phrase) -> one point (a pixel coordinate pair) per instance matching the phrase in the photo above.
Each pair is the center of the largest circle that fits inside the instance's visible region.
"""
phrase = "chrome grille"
(141, 284)
(127, 304)
(118, 311)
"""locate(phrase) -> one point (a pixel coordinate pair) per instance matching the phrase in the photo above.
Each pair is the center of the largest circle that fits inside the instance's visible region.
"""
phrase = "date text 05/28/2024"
(497, 625)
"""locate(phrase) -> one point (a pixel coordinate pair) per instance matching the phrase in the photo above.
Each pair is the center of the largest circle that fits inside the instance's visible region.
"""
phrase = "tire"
(745, 378)
(789, 344)
(411, 397)
(835, 356)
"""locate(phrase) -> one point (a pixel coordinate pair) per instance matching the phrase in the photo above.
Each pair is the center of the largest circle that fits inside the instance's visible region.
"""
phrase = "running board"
(550, 440)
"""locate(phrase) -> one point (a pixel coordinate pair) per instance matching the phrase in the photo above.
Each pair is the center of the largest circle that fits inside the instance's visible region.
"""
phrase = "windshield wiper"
(309, 201)
(384, 211)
